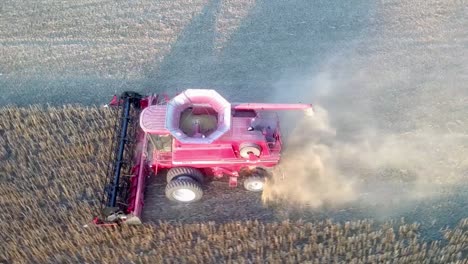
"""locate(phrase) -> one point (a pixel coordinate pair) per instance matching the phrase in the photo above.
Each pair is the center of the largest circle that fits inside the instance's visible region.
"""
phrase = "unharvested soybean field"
(389, 141)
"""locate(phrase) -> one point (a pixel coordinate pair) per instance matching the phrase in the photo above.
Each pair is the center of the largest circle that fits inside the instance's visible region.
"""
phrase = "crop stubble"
(54, 160)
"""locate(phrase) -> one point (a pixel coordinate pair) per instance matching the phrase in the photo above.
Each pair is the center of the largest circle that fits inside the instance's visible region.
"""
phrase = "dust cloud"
(319, 169)
(332, 159)
(308, 171)
(391, 122)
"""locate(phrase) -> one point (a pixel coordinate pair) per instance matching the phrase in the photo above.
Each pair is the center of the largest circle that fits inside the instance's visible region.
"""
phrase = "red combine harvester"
(194, 136)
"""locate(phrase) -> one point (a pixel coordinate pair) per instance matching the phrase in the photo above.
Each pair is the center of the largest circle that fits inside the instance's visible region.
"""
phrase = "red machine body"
(195, 135)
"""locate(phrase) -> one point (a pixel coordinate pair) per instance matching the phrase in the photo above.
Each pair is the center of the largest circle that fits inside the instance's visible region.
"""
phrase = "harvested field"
(384, 174)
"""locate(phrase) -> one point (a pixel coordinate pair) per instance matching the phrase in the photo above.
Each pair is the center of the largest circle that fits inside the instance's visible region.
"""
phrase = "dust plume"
(349, 152)
(391, 119)
(318, 168)
(308, 172)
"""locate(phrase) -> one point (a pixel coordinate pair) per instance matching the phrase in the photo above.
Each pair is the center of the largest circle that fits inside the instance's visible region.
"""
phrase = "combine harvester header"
(194, 137)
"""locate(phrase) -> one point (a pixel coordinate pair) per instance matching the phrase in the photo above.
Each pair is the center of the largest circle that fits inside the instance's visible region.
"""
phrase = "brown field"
(381, 175)
(53, 162)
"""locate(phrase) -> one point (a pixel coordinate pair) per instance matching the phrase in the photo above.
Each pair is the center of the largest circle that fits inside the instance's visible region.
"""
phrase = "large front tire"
(184, 190)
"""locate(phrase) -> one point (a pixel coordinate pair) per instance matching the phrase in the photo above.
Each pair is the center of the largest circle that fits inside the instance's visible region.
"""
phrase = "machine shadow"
(275, 39)
(190, 59)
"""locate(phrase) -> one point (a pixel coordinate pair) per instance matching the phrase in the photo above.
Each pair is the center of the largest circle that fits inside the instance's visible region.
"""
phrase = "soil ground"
(386, 67)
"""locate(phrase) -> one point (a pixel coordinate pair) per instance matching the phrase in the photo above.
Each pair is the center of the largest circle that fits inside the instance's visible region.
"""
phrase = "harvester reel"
(179, 172)
(247, 148)
(184, 190)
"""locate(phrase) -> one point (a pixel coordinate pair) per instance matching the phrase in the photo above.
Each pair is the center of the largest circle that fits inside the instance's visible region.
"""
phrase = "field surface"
(388, 79)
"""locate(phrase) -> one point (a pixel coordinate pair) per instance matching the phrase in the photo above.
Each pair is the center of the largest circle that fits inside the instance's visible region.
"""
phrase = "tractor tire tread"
(185, 171)
(187, 184)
